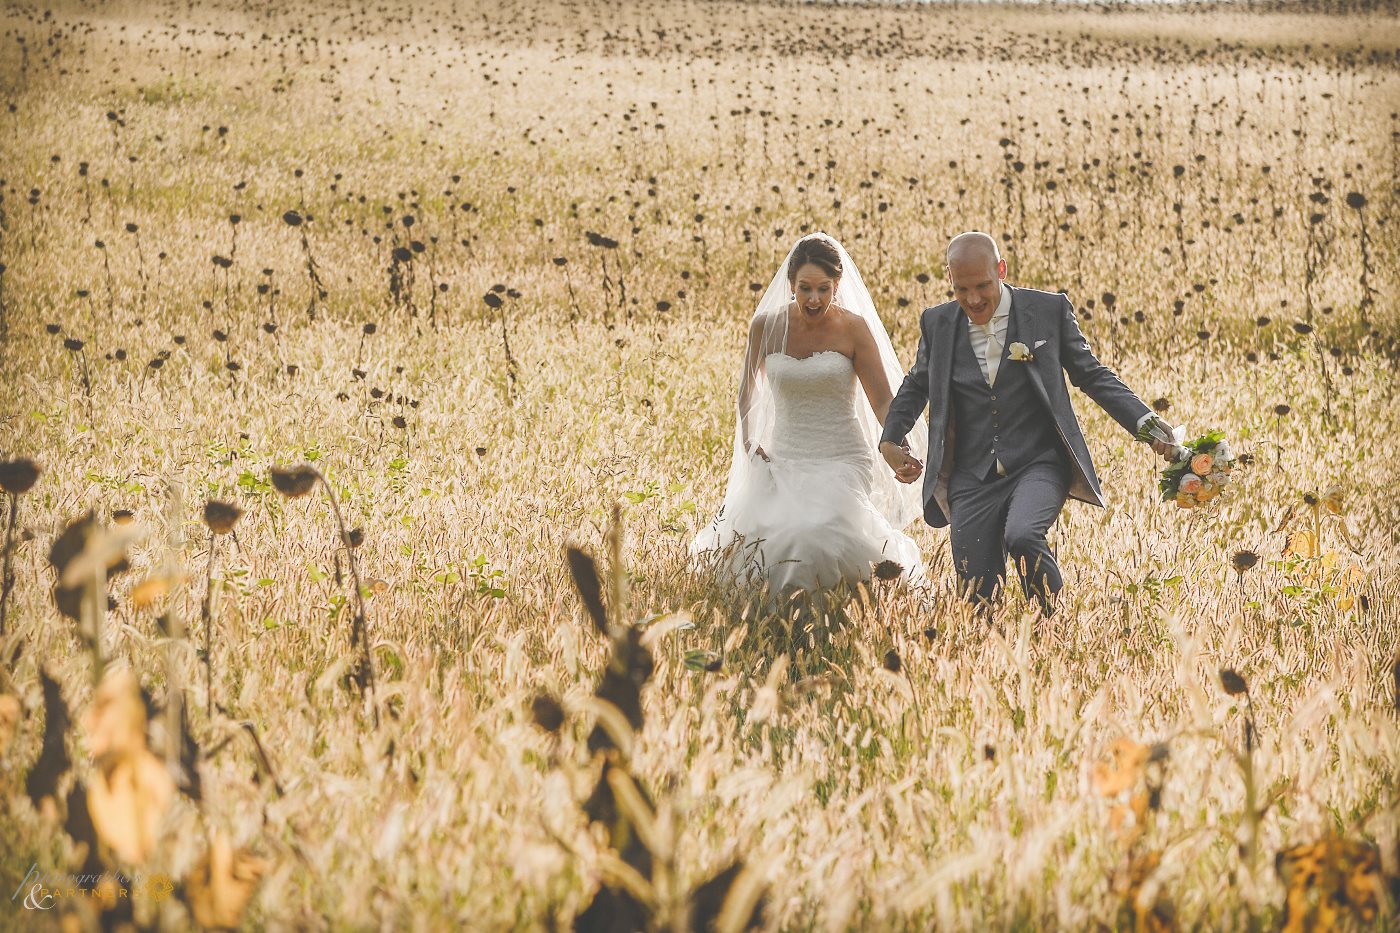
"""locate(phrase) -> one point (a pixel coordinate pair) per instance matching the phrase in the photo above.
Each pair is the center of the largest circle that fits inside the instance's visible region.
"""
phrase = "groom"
(1001, 427)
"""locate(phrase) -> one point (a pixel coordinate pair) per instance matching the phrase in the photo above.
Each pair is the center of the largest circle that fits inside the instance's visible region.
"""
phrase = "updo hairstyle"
(816, 251)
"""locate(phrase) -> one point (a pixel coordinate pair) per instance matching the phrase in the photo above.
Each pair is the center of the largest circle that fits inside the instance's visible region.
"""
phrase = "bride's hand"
(907, 468)
(751, 450)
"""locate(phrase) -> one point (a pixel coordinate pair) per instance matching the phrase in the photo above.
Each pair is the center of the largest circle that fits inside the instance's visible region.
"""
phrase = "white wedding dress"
(805, 519)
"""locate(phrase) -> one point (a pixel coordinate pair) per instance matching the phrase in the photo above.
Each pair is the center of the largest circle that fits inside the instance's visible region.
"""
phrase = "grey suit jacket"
(1046, 324)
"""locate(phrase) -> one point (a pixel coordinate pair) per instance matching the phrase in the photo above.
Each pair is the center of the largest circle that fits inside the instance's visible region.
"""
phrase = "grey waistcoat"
(1006, 421)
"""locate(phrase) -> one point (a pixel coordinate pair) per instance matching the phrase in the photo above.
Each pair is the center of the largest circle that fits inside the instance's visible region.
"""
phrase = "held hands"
(906, 468)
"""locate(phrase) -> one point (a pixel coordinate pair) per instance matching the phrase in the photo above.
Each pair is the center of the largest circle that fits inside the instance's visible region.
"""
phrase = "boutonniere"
(1021, 352)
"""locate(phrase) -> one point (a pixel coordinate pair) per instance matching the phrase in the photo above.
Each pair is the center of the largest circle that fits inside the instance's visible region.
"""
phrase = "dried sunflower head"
(221, 516)
(18, 476)
(294, 482)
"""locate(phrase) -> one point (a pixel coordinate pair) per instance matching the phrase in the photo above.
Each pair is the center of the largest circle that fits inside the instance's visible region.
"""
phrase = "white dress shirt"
(989, 339)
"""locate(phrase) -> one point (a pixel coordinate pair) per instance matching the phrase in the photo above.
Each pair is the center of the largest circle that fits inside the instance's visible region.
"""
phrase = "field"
(487, 268)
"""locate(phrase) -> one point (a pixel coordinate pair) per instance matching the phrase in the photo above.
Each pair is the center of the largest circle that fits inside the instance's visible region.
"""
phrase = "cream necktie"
(993, 353)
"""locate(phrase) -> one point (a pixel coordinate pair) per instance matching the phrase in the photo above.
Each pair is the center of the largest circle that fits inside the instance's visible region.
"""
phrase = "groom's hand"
(1153, 430)
(1167, 451)
(906, 467)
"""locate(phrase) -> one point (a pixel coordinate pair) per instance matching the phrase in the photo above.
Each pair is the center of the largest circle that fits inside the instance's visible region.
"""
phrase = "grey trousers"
(991, 518)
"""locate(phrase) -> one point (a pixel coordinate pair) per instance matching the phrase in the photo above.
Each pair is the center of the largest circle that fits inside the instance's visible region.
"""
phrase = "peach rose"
(1190, 484)
(1207, 493)
(1185, 500)
(1200, 464)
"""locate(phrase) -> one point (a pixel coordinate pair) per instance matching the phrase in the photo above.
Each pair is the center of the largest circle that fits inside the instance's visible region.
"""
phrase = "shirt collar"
(997, 322)
(1003, 310)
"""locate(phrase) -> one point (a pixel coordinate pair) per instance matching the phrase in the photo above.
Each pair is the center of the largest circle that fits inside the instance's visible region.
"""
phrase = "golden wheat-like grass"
(490, 274)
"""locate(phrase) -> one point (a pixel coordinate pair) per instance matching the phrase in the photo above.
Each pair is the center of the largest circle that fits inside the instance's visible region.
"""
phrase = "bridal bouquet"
(1202, 467)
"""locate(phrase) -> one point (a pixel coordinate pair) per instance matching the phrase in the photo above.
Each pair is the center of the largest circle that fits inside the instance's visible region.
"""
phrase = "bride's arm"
(871, 371)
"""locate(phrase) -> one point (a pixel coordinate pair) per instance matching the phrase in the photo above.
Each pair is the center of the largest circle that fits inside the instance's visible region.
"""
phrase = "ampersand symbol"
(42, 902)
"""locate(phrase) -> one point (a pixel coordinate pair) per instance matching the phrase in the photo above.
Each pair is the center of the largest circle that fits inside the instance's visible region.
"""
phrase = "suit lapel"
(1022, 330)
(1021, 327)
(1012, 331)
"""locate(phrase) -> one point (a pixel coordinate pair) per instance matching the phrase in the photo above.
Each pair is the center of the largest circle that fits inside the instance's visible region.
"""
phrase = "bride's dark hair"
(818, 252)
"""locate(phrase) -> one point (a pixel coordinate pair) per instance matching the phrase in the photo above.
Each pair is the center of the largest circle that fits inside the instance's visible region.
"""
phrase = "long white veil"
(898, 502)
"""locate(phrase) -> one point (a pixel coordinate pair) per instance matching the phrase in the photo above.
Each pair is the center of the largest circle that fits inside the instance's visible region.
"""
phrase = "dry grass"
(960, 792)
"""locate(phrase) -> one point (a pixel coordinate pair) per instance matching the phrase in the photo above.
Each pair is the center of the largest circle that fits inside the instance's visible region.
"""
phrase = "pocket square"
(1038, 344)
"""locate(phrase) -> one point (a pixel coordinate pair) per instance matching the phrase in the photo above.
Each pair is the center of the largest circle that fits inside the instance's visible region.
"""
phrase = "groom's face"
(976, 282)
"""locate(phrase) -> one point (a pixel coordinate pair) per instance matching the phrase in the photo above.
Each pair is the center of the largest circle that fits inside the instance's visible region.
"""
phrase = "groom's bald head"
(975, 270)
(973, 246)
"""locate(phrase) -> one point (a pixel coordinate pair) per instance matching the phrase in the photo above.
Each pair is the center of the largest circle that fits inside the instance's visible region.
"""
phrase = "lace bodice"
(814, 402)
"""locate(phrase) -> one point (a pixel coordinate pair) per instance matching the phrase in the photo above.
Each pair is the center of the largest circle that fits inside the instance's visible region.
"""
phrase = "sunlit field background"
(488, 268)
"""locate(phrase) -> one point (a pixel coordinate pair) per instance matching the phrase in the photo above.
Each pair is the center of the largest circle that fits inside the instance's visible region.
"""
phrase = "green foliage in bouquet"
(1169, 483)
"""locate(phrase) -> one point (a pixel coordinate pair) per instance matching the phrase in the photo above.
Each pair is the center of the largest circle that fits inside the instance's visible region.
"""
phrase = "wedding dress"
(823, 508)
(807, 522)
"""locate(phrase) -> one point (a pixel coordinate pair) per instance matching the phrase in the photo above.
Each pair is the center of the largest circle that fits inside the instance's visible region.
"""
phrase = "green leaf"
(390, 659)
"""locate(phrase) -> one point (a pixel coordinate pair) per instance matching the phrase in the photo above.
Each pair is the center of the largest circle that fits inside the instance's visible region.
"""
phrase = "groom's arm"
(909, 401)
(1095, 379)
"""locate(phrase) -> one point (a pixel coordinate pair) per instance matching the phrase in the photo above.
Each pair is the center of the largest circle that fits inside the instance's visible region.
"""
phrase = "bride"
(805, 508)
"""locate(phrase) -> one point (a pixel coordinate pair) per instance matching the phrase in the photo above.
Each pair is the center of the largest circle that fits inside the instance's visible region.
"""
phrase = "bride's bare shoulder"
(768, 331)
(850, 320)
(769, 318)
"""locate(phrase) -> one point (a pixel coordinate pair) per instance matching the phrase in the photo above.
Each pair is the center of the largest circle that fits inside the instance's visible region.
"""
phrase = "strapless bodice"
(814, 407)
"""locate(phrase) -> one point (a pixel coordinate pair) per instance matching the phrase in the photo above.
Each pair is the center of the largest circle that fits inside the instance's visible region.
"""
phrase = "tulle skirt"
(804, 524)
